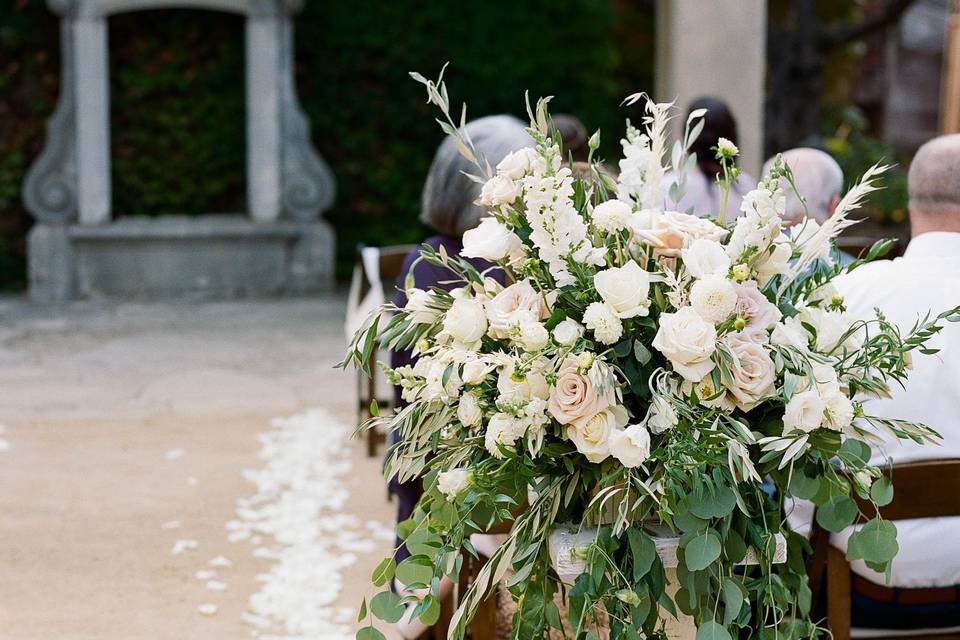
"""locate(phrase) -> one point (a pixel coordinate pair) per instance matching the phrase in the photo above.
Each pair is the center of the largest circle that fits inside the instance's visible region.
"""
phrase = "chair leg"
(484, 623)
(838, 594)
(371, 397)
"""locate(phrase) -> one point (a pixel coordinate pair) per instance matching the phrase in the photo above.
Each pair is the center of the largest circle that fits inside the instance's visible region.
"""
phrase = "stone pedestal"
(77, 250)
(208, 257)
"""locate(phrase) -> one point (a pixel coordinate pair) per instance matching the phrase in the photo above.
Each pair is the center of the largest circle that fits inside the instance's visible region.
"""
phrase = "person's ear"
(832, 205)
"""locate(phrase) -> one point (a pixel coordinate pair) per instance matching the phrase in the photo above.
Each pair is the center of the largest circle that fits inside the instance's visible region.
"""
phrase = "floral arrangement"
(641, 366)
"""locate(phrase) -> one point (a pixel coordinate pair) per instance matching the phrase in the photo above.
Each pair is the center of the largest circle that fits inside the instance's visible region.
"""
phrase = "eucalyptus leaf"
(384, 571)
(370, 633)
(837, 514)
(387, 606)
(881, 491)
(643, 551)
(712, 630)
(701, 551)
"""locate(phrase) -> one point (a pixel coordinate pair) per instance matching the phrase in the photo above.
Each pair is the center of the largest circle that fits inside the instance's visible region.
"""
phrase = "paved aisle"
(129, 427)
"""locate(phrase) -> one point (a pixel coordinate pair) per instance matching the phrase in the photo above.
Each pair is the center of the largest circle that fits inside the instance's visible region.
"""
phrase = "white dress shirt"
(926, 278)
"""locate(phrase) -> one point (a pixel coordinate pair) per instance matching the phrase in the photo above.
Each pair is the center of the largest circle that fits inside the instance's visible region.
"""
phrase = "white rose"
(502, 429)
(533, 335)
(499, 190)
(491, 240)
(465, 322)
(517, 387)
(830, 326)
(670, 231)
(688, 341)
(508, 307)
(417, 307)
(604, 323)
(591, 435)
(611, 216)
(469, 411)
(451, 483)
(661, 416)
(567, 332)
(517, 163)
(474, 371)
(804, 412)
(752, 374)
(625, 289)
(435, 388)
(705, 257)
(631, 446)
(790, 334)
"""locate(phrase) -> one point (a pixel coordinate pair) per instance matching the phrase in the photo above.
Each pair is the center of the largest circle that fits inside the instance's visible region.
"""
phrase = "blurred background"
(861, 78)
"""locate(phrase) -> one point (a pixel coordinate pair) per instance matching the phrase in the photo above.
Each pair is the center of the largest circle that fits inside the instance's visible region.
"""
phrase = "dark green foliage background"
(177, 83)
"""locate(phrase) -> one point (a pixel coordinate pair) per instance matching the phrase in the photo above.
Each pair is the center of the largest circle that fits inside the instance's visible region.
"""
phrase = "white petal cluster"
(713, 298)
(612, 216)
(604, 322)
(453, 482)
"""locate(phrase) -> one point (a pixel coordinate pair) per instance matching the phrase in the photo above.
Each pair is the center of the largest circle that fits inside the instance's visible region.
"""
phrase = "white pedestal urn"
(568, 544)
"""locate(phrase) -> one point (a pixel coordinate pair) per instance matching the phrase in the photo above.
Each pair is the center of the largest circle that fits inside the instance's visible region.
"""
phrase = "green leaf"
(369, 633)
(711, 630)
(363, 611)
(882, 491)
(874, 543)
(423, 543)
(374, 408)
(415, 570)
(643, 550)
(710, 506)
(429, 610)
(837, 514)
(686, 521)
(622, 348)
(854, 453)
(735, 547)
(641, 353)
(702, 551)
(387, 606)
(384, 572)
(732, 599)
(803, 486)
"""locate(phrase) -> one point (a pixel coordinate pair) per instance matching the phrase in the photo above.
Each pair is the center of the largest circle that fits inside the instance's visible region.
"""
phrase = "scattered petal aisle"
(296, 519)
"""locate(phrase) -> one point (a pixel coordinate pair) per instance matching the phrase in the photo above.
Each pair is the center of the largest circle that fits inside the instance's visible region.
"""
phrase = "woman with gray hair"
(449, 207)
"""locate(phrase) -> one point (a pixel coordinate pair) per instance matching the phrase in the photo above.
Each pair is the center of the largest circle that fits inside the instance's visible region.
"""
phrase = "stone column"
(93, 119)
(263, 117)
(716, 48)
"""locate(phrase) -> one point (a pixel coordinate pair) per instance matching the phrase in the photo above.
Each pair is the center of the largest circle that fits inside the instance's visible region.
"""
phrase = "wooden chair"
(921, 490)
(375, 276)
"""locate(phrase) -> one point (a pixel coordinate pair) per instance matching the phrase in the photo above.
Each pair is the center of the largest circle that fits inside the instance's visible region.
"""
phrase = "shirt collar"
(934, 244)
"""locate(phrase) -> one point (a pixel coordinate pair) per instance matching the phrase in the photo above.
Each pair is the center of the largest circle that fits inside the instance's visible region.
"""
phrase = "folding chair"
(375, 275)
(921, 490)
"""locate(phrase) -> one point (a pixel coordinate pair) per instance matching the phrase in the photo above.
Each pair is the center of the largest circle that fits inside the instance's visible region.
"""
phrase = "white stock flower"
(451, 483)
(591, 435)
(518, 163)
(631, 446)
(468, 412)
(805, 231)
(625, 289)
(567, 332)
(499, 190)
(775, 263)
(804, 412)
(435, 388)
(491, 240)
(705, 257)
(687, 341)
(465, 322)
(533, 335)
(507, 308)
(713, 298)
(417, 306)
(611, 216)
(661, 416)
(830, 327)
(604, 323)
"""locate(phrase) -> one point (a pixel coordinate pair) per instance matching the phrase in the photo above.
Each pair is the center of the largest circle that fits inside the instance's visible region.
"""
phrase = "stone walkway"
(129, 427)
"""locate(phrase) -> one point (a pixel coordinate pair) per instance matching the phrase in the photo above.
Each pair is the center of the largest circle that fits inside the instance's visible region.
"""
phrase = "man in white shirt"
(926, 278)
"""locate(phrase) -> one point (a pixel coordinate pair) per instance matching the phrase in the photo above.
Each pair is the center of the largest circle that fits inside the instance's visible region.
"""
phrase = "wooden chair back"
(389, 263)
(928, 489)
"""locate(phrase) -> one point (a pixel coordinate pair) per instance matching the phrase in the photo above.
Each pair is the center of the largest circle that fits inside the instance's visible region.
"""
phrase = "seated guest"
(448, 206)
(702, 194)
(927, 277)
(819, 179)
